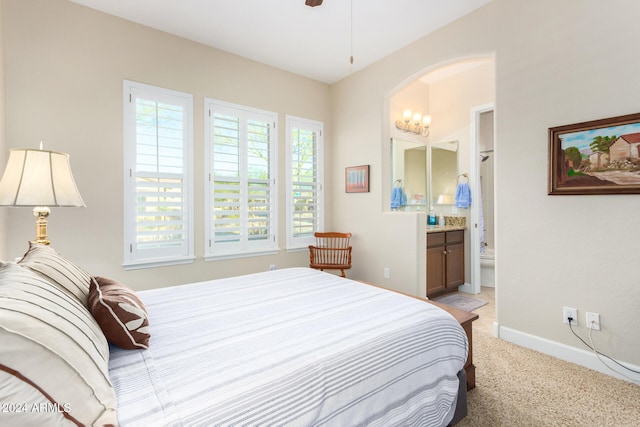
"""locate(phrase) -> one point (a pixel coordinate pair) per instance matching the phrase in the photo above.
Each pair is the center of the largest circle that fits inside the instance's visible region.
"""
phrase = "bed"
(290, 347)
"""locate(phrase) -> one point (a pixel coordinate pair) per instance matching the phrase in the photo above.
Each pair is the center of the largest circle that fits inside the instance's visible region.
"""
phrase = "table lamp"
(40, 179)
(444, 199)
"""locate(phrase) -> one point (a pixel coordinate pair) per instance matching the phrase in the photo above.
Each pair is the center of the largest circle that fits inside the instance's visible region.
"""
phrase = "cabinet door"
(455, 265)
(436, 259)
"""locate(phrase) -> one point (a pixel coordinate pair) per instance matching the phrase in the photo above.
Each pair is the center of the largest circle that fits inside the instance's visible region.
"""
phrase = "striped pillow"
(120, 313)
(52, 354)
(45, 260)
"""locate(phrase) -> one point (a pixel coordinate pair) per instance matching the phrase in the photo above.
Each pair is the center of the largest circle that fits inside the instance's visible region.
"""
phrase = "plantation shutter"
(158, 138)
(241, 197)
(227, 215)
(305, 185)
(259, 179)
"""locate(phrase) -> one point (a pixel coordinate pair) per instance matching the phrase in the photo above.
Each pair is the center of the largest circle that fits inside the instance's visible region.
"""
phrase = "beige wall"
(3, 133)
(551, 69)
(65, 67)
(451, 100)
(64, 71)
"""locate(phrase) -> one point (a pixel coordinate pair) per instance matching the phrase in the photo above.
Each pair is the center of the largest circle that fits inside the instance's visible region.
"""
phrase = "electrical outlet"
(593, 321)
(386, 272)
(570, 312)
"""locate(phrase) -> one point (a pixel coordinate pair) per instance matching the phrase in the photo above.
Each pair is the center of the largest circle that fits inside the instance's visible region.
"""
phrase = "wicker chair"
(331, 252)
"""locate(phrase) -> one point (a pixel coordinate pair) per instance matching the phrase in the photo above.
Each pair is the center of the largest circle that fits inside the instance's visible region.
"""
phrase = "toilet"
(487, 268)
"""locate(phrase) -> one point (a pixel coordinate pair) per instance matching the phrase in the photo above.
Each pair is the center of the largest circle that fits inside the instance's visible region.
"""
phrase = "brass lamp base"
(41, 212)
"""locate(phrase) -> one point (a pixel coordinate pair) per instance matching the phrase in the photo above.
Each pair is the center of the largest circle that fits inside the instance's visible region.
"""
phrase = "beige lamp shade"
(38, 178)
(444, 199)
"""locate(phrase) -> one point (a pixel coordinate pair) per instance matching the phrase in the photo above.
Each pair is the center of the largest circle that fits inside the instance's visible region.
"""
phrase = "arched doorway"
(454, 93)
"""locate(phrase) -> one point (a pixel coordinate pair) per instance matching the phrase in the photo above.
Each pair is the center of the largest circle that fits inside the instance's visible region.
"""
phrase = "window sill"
(298, 249)
(137, 265)
(245, 254)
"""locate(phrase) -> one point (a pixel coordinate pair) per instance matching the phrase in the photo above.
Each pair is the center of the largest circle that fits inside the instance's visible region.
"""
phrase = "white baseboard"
(562, 351)
(467, 287)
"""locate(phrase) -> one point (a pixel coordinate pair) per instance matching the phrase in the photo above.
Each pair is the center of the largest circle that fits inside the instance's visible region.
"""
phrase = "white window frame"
(244, 247)
(302, 242)
(137, 257)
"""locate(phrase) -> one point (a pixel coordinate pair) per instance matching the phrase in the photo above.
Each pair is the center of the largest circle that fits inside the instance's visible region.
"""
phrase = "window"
(158, 193)
(241, 194)
(305, 192)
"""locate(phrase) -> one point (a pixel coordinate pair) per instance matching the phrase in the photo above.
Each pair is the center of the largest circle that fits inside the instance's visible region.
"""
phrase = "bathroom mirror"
(409, 173)
(424, 175)
(443, 172)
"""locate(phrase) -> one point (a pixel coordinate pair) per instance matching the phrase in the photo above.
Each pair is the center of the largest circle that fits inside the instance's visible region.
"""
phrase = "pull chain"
(351, 32)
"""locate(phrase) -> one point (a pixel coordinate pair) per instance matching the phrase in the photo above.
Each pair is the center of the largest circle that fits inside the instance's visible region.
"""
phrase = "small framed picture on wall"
(356, 179)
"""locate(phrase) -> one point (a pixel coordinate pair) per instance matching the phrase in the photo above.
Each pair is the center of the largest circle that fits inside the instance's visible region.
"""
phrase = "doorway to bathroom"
(448, 93)
(482, 239)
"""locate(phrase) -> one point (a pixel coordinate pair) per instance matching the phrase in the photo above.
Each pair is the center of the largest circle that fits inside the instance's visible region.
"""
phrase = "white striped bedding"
(290, 347)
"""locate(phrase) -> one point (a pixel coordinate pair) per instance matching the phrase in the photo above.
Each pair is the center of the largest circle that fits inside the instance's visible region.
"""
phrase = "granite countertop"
(441, 228)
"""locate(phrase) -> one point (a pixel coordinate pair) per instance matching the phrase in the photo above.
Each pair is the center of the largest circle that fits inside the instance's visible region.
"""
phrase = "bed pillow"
(28, 400)
(52, 354)
(45, 260)
(120, 313)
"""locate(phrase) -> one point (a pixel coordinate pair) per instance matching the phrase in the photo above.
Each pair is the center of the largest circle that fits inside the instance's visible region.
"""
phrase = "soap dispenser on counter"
(441, 220)
(431, 218)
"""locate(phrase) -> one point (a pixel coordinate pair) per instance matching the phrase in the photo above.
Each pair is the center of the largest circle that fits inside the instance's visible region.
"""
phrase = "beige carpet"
(520, 387)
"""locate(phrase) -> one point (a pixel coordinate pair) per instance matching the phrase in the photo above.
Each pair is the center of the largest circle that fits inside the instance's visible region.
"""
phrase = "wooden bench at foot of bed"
(465, 318)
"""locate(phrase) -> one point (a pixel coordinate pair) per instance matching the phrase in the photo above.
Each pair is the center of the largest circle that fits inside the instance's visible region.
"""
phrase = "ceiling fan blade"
(313, 3)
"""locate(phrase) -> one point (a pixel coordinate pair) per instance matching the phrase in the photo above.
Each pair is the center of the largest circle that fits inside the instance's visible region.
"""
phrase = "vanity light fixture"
(414, 122)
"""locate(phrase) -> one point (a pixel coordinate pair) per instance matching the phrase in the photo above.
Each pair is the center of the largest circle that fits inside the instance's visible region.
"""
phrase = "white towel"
(481, 219)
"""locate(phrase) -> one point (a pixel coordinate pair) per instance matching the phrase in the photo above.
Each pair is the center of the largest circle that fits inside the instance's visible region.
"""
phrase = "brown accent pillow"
(120, 313)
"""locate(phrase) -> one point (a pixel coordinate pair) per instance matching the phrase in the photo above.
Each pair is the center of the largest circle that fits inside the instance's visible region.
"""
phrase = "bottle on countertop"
(431, 218)
(441, 220)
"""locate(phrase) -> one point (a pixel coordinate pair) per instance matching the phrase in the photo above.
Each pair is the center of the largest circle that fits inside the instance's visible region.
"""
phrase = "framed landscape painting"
(596, 157)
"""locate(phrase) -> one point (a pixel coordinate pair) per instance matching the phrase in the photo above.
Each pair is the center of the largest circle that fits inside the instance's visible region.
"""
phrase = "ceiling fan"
(313, 3)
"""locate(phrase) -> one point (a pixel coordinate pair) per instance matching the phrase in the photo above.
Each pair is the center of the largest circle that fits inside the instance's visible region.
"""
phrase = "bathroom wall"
(487, 177)
(409, 156)
(451, 100)
(415, 97)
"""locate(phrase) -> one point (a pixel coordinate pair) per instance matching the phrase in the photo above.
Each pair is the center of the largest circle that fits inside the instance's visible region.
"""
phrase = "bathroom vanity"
(445, 259)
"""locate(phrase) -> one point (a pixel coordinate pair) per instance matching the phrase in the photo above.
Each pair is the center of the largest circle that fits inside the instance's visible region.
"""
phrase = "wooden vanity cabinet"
(445, 262)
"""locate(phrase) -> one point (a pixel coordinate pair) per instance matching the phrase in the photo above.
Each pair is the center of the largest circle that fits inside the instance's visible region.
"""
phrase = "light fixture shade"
(38, 178)
(444, 199)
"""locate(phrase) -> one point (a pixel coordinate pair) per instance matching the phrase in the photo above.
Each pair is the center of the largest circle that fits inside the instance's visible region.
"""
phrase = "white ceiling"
(312, 42)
